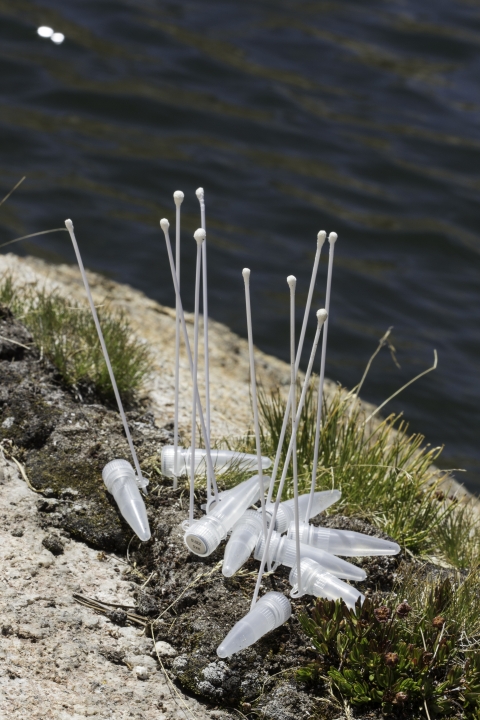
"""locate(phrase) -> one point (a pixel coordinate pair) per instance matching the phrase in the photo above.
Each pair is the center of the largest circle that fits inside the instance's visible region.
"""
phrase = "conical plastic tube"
(206, 534)
(120, 480)
(342, 542)
(317, 582)
(222, 460)
(242, 542)
(283, 551)
(285, 513)
(271, 611)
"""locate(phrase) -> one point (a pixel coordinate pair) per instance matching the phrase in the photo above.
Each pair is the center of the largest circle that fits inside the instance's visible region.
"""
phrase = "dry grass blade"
(25, 237)
(14, 342)
(194, 583)
(173, 689)
(105, 608)
(410, 382)
(13, 190)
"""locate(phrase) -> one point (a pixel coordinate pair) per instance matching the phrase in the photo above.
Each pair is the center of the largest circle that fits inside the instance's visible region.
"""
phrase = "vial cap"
(116, 469)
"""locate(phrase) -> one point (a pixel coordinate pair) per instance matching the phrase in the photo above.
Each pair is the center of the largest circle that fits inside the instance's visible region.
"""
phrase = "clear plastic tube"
(343, 542)
(206, 534)
(271, 611)
(283, 551)
(317, 582)
(285, 513)
(222, 461)
(242, 542)
(120, 480)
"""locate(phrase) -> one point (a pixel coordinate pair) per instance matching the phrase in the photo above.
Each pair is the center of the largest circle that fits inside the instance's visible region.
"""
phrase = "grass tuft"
(65, 333)
(386, 476)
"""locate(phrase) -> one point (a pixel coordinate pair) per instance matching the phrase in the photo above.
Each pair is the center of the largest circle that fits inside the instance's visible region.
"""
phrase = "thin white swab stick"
(164, 224)
(201, 199)
(199, 236)
(320, 241)
(178, 198)
(141, 481)
(332, 239)
(292, 283)
(321, 317)
(253, 380)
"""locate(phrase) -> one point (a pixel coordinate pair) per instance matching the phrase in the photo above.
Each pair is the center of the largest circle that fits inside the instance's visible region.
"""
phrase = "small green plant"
(65, 334)
(395, 657)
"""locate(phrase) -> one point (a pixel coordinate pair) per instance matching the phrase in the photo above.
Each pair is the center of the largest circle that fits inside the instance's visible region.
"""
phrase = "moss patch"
(64, 444)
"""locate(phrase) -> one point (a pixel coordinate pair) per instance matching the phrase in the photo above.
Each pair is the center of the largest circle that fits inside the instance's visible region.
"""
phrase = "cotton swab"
(320, 241)
(164, 224)
(253, 380)
(201, 199)
(292, 284)
(178, 199)
(141, 481)
(332, 239)
(199, 236)
(321, 317)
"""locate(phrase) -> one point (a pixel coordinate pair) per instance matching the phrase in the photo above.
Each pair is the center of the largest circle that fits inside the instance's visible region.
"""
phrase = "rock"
(54, 544)
(60, 659)
(146, 605)
(141, 661)
(141, 672)
(214, 681)
(119, 616)
(47, 505)
(164, 649)
(287, 702)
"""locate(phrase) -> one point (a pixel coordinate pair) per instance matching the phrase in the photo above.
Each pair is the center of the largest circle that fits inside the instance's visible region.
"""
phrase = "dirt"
(62, 445)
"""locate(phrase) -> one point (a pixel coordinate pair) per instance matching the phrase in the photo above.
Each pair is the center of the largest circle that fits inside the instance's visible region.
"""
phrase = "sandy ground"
(53, 651)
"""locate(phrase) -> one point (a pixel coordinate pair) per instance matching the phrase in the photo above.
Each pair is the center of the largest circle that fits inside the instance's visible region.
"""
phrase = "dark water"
(359, 117)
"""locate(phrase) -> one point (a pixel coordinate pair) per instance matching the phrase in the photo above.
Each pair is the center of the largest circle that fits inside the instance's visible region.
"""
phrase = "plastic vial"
(317, 582)
(283, 552)
(271, 611)
(222, 460)
(242, 542)
(285, 513)
(121, 481)
(206, 534)
(343, 542)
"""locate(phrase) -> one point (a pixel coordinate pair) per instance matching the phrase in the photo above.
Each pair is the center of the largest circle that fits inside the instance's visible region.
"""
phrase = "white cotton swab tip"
(199, 235)
(164, 224)
(199, 192)
(246, 274)
(178, 197)
(292, 281)
(321, 239)
(322, 315)
(69, 224)
(332, 238)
